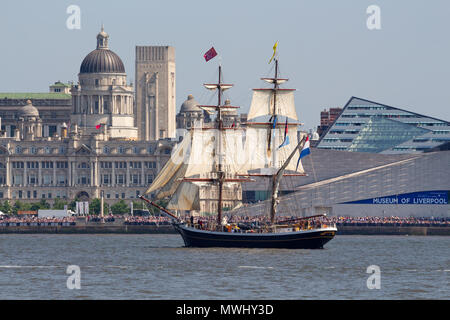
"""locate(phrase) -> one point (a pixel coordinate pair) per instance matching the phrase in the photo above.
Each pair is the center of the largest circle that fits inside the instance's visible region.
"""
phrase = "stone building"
(78, 145)
(155, 92)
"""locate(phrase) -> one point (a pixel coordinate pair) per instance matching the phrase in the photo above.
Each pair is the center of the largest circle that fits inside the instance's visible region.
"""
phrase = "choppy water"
(158, 267)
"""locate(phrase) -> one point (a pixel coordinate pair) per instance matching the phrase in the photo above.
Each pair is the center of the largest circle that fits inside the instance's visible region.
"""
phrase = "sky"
(325, 48)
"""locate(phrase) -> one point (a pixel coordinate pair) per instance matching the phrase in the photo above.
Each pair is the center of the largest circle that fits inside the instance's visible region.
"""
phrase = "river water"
(159, 267)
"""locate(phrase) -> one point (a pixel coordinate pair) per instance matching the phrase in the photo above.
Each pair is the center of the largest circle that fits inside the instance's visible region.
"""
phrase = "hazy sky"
(325, 47)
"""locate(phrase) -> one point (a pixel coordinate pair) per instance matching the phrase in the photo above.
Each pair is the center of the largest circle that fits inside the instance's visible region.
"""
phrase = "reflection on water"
(158, 267)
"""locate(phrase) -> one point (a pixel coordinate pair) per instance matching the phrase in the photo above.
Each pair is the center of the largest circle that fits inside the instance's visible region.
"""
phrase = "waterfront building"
(367, 126)
(343, 183)
(78, 143)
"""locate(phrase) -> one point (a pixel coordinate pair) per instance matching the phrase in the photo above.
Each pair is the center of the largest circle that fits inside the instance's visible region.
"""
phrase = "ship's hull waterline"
(306, 239)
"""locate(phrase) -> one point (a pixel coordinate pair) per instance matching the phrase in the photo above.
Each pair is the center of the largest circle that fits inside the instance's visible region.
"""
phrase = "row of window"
(82, 165)
(135, 150)
(131, 164)
(34, 150)
(20, 194)
(61, 180)
(106, 150)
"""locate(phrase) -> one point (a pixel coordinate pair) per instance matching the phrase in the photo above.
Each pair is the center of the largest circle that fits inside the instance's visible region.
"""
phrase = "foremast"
(275, 108)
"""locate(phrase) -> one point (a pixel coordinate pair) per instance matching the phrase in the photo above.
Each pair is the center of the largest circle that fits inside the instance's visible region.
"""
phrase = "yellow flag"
(274, 51)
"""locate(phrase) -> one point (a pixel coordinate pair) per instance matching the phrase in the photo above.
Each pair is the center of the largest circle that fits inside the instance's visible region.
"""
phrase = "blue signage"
(418, 198)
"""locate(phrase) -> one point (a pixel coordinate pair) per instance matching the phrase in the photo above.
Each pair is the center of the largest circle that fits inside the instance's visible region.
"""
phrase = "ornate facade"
(78, 145)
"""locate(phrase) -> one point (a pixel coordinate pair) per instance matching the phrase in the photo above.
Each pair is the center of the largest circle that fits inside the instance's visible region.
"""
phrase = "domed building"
(102, 102)
(81, 145)
(190, 114)
(30, 125)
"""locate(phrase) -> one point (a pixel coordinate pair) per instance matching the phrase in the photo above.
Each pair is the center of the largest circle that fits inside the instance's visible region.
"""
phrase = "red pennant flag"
(98, 126)
(211, 53)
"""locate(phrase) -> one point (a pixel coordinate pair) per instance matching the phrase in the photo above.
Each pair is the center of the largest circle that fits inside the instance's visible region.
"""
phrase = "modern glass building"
(367, 126)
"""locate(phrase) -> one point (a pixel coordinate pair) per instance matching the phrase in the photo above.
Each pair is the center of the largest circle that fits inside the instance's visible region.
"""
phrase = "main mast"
(220, 173)
(274, 201)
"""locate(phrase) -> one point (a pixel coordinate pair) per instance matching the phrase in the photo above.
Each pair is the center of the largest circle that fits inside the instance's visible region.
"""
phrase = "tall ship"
(221, 156)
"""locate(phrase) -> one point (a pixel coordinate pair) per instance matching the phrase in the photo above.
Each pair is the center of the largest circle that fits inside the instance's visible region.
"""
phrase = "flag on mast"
(211, 53)
(305, 151)
(274, 51)
(286, 137)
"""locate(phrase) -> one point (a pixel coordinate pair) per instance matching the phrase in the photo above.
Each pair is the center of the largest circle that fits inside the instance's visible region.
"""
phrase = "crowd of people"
(6, 221)
(146, 220)
(392, 221)
(206, 222)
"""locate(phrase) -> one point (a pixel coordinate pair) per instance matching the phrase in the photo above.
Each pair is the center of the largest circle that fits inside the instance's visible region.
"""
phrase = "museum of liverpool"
(373, 160)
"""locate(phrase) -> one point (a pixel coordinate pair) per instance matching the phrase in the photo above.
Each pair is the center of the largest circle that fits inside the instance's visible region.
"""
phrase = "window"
(62, 150)
(106, 179)
(84, 180)
(48, 150)
(17, 165)
(32, 179)
(150, 164)
(83, 165)
(135, 150)
(121, 150)
(18, 149)
(52, 129)
(46, 164)
(106, 150)
(61, 179)
(47, 179)
(136, 179)
(61, 164)
(121, 165)
(17, 180)
(135, 165)
(120, 179)
(33, 150)
(106, 164)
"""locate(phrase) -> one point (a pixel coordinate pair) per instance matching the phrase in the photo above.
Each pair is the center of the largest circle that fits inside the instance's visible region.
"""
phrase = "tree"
(59, 204)
(20, 206)
(43, 204)
(6, 207)
(94, 207)
(120, 207)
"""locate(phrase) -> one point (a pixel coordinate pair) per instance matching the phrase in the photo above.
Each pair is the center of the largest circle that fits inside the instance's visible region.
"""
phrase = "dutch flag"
(305, 151)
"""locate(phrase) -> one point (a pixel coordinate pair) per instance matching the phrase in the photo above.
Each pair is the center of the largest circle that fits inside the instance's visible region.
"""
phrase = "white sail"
(259, 156)
(197, 156)
(186, 197)
(203, 153)
(173, 167)
(263, 101)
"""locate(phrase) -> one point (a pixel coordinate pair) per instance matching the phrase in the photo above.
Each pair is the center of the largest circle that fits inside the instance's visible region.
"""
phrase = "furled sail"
(263, 102)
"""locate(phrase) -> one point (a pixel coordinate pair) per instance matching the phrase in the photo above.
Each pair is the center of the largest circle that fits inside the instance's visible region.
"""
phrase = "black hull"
(310, 239)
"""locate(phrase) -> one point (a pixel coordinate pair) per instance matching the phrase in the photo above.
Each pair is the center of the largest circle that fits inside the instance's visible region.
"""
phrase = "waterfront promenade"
(157, 225)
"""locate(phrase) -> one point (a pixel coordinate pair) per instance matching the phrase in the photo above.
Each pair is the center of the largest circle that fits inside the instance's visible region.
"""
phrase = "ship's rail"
(305, 225)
